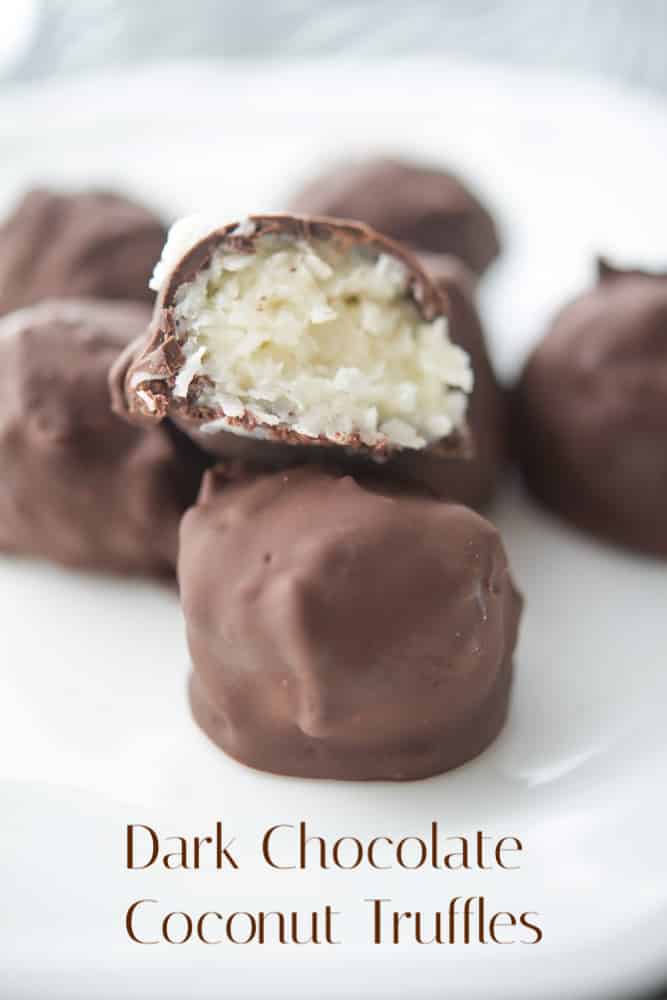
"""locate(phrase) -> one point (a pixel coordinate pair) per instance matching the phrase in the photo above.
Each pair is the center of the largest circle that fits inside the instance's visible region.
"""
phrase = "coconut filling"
(324, 342)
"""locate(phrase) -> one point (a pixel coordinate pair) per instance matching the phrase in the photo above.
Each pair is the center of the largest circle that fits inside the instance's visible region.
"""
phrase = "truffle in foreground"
(431, 210)
(92, 244)
(79, 486)
(591, 412)
(341, 632)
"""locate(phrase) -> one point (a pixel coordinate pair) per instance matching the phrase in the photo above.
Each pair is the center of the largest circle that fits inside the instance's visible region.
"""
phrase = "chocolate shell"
(145, 379)
(304, 665)
(476, 481)
(79, 486)
(91, 244)
(590, 412)
(429, 209)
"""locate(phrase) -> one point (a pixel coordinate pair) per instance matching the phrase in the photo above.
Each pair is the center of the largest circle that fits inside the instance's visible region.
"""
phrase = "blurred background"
(315, 80)
(621, 39)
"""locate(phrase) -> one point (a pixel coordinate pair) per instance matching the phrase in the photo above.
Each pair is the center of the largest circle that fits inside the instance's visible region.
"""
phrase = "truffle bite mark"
(306, 331)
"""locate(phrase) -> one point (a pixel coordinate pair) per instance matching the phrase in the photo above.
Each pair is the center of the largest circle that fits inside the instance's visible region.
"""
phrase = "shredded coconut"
(325, 342)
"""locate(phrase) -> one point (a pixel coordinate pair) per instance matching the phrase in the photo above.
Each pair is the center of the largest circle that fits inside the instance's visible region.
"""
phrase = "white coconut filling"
(324, 342)
(182, 236)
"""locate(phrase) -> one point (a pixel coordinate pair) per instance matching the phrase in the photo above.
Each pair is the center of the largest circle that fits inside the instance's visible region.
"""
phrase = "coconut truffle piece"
(444, 270)
(90, 244)
(476, 481)
(303, 665)
(591, 412)
(79, 486)
(298, 332)
(431, 210)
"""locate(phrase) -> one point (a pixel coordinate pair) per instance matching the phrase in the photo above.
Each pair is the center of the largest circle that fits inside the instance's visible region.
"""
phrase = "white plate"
(94, 728)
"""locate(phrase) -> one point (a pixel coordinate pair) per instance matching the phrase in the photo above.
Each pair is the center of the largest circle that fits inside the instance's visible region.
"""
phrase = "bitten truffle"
(473, 482)
(591, 412)
(91, 244)
(287, 340)
(337, 631)
(431, 210)
(79, 486)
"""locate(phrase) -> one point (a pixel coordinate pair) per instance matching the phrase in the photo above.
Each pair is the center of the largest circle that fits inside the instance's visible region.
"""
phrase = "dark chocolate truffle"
(591, 412)
(283, 338)
(341, 632)
(429, 209)
(473, 482)
(92, 244)
(79, 486)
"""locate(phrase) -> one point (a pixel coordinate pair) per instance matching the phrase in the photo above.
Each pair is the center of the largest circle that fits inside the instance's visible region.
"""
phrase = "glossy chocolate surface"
(430, 209)
(91, 244)
(590, 413)
(339, 629)
(79, 486)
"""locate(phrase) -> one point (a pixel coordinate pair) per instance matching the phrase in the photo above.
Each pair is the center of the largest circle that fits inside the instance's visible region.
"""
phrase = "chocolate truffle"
(92, 244)
(337, 631)
(591, 412)
(429, 209)
(79, 486)
(283, 337)
(473, 482)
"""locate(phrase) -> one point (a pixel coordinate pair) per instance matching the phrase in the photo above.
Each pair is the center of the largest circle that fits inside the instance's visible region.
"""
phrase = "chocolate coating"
(303, 665)
(79, 486)
(475, 481)
(143, 378)
(429, 209)
(93, 244)
(591, 412)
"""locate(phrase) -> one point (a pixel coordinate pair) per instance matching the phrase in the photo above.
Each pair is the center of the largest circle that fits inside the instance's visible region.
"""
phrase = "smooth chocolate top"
(428, 208)
(89, 244)
(78, 485)
(341, 630)
(591, 411)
